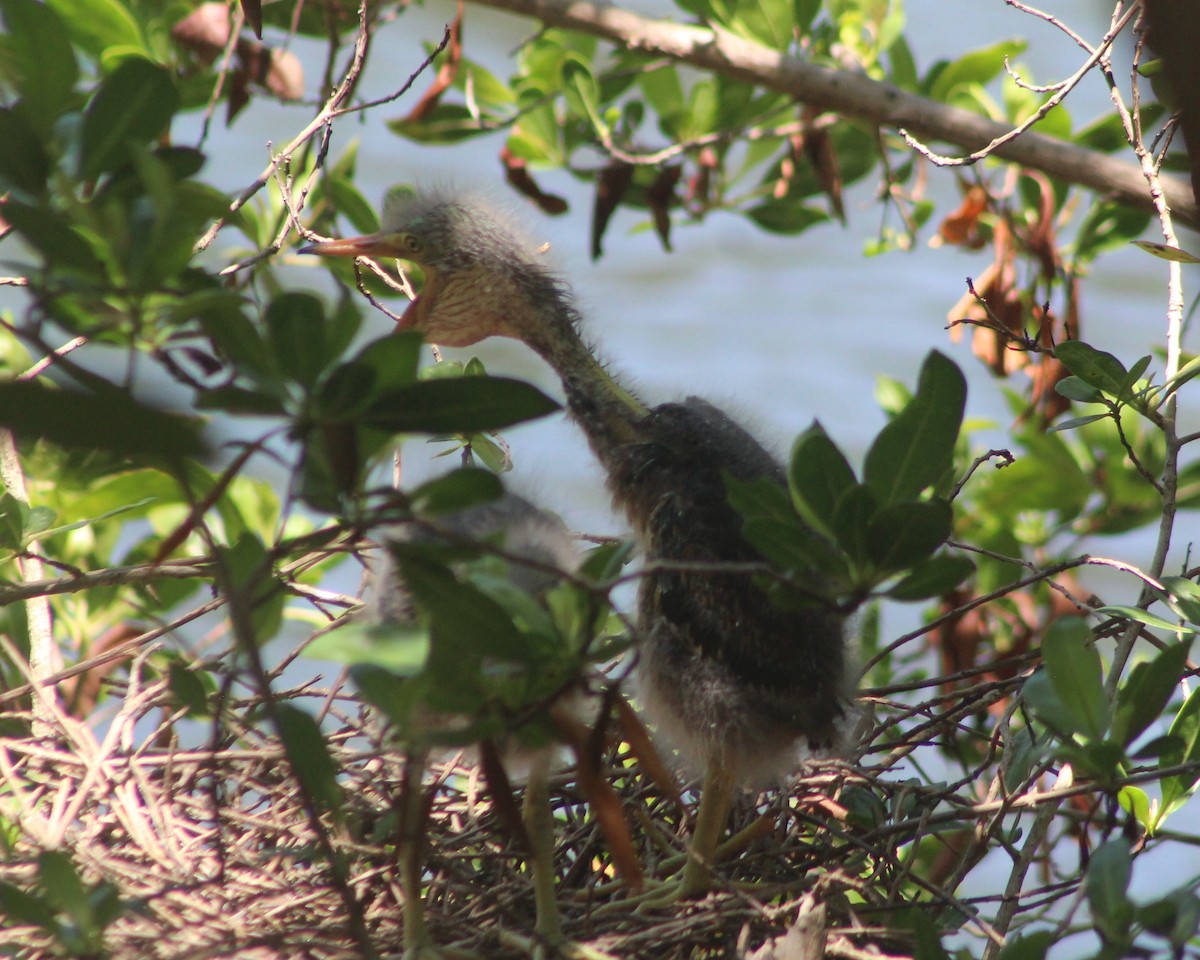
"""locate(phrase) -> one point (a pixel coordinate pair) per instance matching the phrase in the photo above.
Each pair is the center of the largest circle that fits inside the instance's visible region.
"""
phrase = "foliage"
(155, 581)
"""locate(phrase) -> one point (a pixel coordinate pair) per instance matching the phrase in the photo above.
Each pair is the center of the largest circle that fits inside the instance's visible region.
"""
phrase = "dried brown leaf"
(516, 172)
(611, 183)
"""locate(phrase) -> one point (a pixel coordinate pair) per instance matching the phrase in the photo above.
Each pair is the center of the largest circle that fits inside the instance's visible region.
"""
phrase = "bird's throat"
(608, 413)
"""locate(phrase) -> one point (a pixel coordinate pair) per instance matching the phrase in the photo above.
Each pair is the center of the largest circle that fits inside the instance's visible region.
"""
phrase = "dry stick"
(331, 110)
(241, 597)
(323, 117)
(854, 95)
(1170, 474)
(1016, 879)
(44, 658)
(1051, 103)
(119, 652)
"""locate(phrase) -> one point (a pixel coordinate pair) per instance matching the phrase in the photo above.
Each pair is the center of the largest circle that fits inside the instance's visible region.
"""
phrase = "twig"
(1051, 103)
(1004, 457)
(1169, 484)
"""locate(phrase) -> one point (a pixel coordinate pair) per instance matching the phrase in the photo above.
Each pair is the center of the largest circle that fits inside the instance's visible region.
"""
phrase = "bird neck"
(608, 413)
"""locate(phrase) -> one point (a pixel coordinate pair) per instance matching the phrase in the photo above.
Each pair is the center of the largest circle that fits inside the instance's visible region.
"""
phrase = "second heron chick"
(538, 551)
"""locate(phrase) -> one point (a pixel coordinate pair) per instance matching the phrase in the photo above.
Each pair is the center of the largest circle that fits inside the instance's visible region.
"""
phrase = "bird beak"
(374, 245)
(370, 245)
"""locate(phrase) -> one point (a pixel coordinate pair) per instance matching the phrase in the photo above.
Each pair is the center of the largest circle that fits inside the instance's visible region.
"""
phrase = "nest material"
(214, 854)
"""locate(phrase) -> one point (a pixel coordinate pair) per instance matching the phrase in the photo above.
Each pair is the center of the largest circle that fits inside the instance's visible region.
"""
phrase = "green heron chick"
(736, 683)
(539, 548)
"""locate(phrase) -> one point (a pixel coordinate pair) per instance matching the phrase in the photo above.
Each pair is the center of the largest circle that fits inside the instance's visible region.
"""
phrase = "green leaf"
(1137, 803)
(394, 697)
(1136, 372)
(581, 90)
(1031, 946)
(239, 400)
(1046, 478)
(1175, 916)
(99, 25)
(916, 449)
(346, 393)
(36, 529)
(238, 340)
(55, 238)
(402, 649)
(787, 216)
(1094, 367)
(352, 205)
(296, 335)
(1144, 696)
(1106, 884)
(23, 907)
(805, 13)
(133, 105)
(1075, 389)
(1177, 788)
(188, 689)
(394, 358)
(783, 545)
(248, 580)
(922, 933)
(1075, 422)
(976, 68)
(1166, 252)
(467, 624)
(771, 526)
(1183, 598)
(818, 476)
(24, 164)
(1073, 666)
(59, 878)
(39, 61)
(1043, 699)
(308, 755)
(1108, 225)
(770, 22)
(13, 515)
(112, 421)
(459, 405)
(1138, 615)
(457, 490)
(664, 93)
(932, 578)
(852, 520)
(444, 124)
(905, 534)
(493, 456)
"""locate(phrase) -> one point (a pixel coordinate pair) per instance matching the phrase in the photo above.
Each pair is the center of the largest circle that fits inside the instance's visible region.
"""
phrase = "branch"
(855, 96)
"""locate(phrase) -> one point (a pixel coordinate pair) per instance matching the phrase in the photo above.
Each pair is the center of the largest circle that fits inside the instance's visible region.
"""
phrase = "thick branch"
(856, 96)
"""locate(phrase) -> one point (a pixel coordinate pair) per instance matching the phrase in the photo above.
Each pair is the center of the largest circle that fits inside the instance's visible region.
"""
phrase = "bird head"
(480, 279)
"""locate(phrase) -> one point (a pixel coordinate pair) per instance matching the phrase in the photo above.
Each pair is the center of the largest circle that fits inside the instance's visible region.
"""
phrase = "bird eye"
(411, 243)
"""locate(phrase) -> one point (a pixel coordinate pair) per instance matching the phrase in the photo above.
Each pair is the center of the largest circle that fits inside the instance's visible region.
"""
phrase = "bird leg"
(716, 801)
(417, 941)
(539, 827)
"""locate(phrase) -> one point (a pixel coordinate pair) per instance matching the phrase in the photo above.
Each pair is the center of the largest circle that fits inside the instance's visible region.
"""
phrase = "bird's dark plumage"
(723, 670)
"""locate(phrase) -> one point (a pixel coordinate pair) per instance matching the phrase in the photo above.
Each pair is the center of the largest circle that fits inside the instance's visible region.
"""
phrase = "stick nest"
(203, 834)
